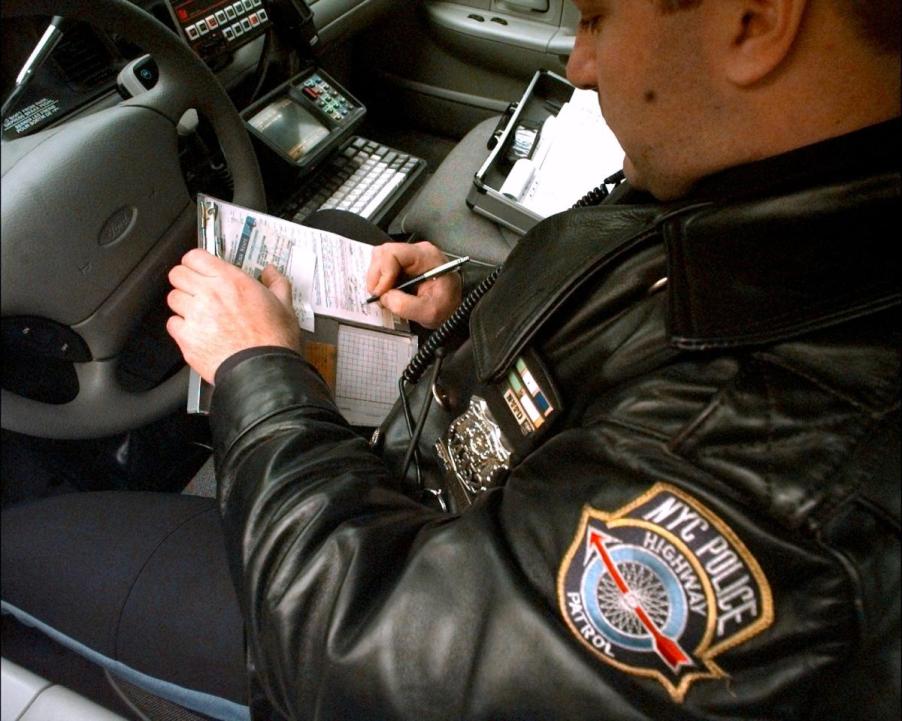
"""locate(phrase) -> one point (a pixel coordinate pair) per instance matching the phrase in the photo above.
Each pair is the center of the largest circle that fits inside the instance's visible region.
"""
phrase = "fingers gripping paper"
(327, 273)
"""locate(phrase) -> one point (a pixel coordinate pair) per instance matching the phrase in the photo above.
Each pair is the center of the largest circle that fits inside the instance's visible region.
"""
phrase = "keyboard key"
(382, 195)
(360, 179)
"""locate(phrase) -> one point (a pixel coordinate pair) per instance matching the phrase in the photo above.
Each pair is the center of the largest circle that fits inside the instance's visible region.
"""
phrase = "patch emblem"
(661, 587)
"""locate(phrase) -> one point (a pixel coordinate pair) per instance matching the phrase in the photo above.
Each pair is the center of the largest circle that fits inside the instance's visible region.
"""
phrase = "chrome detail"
(440, 396)
(473, 449)
(657, 285)
(439, 496)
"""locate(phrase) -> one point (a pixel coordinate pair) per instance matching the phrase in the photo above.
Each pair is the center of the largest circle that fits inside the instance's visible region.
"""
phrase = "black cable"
(593, 197)
(597, 195)
(420, 362)
(421, 421)
(264, 65)
(405, 405)
(433, 347)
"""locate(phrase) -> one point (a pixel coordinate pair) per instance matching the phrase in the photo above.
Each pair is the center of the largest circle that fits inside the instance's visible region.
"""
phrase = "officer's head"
(694, 86)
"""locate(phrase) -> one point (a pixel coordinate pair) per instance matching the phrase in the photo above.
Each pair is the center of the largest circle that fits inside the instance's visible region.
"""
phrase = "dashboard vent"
(83, 59)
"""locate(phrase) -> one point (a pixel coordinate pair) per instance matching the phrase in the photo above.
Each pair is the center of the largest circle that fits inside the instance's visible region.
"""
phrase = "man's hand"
(220, 310)
(435, 299)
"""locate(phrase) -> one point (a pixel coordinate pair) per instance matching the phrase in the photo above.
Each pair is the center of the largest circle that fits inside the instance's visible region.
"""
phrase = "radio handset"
(293, 21)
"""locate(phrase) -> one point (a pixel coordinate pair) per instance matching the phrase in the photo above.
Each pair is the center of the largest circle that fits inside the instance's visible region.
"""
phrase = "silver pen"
(434, 273)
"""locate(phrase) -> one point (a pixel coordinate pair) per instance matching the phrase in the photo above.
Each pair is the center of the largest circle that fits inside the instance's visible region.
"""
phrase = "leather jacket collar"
(756, 254)
(792, 243)
(766, 270)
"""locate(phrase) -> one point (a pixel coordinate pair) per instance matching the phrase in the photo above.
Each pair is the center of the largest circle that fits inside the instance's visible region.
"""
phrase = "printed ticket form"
(327, 271)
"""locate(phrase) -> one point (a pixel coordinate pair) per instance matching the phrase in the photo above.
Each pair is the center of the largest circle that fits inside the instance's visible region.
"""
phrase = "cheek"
(623, 111)
(623, 85)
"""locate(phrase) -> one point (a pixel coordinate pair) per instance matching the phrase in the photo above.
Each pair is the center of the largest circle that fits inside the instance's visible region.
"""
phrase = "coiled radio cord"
(440, 335)
(433, 347)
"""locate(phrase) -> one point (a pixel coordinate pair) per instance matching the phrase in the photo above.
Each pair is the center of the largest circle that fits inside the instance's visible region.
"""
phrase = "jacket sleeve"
(361, 604)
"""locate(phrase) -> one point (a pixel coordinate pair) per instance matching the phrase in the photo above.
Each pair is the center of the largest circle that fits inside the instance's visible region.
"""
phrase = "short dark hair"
(877, 21)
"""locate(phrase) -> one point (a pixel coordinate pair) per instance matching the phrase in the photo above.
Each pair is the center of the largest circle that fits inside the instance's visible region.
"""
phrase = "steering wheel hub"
(81, 210)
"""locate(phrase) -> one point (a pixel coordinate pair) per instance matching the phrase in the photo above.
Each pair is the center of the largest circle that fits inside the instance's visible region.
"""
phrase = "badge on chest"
(503, 421)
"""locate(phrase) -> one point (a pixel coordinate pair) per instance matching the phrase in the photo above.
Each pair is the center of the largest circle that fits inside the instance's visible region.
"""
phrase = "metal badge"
(473, 448)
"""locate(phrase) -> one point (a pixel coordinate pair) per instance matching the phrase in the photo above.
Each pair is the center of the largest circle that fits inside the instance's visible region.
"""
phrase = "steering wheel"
(94, 214)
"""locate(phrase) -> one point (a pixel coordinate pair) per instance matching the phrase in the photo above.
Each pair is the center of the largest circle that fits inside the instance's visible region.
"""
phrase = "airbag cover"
(81, 209)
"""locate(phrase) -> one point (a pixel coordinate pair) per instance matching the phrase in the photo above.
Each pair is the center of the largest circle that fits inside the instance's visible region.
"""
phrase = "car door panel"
(460, 62)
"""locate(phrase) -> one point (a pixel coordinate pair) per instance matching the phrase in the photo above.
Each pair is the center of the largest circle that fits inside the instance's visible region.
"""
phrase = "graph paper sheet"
(369, 365)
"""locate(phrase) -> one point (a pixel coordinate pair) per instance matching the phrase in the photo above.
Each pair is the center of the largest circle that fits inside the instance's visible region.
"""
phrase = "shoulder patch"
(660, 587)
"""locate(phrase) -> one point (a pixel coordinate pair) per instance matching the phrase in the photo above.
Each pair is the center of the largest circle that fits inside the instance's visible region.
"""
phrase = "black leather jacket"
(704, 525)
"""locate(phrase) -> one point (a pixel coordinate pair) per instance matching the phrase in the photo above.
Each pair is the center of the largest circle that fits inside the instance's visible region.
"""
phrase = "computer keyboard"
(363, 177)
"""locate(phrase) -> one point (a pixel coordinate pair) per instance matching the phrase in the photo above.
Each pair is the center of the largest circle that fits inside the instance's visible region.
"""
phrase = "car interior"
(116, 114)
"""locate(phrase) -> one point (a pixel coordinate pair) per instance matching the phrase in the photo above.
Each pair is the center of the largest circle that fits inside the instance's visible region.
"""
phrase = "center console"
(304, 128)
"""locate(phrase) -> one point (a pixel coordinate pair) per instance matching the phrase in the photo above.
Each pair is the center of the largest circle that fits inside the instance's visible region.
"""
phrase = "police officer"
(669, 447)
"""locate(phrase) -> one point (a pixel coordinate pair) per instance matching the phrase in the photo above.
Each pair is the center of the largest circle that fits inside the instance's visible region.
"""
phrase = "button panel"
(215, 27)
(326, 97)
(312, 95)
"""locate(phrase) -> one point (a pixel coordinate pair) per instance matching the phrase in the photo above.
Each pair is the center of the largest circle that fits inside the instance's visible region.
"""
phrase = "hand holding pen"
(436, 272)
(415, 281)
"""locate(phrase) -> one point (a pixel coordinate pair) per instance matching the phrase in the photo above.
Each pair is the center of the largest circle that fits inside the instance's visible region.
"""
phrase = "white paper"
(582, 153)
(340, 287)
(254, 240)
(518, 179)
(369, 365)
(327, 271)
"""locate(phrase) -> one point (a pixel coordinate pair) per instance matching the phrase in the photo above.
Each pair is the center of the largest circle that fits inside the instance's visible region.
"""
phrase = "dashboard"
(85, 64)
(81, 76)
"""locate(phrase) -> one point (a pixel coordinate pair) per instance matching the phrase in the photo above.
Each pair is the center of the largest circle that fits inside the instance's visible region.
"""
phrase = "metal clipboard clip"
(211, 228)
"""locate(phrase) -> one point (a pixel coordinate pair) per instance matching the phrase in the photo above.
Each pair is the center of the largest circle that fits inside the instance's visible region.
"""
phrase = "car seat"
(439, 212)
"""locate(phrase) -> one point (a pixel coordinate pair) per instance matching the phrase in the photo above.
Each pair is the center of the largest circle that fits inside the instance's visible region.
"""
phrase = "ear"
(762, 33)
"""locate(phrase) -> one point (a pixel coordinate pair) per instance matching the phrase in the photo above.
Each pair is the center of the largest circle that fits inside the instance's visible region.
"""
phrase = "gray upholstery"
(204, 481)
(28, 697)
(439, 213)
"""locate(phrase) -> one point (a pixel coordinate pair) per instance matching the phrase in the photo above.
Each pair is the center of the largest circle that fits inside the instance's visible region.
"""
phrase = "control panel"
(215, 27)
(305, 118)
(327, 97)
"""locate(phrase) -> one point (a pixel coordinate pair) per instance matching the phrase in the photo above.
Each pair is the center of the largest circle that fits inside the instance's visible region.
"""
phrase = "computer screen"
(289, 127)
